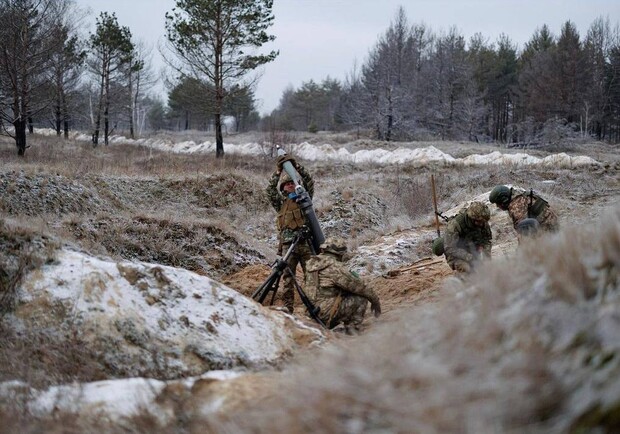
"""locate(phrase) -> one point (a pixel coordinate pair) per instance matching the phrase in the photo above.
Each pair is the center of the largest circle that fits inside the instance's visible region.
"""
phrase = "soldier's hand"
(284, 158)
(375, 307)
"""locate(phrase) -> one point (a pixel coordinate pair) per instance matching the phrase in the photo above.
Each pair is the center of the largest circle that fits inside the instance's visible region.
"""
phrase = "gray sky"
(320, 38)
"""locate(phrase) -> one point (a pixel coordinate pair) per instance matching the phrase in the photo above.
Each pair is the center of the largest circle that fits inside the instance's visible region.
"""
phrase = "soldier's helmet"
(283, 180)
(528, 227)
(500, 195)
(478, 211)
(336, 246)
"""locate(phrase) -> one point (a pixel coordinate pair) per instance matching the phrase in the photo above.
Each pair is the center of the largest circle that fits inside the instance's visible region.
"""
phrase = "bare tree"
(26, 44)
(140, 78)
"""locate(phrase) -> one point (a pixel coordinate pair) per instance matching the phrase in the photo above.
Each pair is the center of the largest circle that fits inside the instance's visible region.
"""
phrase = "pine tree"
(216, 40)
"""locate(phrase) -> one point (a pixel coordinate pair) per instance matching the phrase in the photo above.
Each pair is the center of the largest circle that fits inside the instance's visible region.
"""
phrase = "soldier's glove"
(375, 307)
(283, 159)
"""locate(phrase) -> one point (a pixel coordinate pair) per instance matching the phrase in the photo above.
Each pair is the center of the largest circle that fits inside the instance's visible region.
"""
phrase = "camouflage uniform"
(465, 242)
(341, 296)
(518, 210)
(521, 205)
(289, 221)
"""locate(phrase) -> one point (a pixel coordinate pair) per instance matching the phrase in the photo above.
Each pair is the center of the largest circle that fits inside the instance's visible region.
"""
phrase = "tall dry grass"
(525, 345)
(512, 350)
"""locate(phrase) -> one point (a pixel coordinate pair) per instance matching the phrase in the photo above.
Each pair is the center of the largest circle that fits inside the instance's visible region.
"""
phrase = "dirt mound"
(21, 250)
(36, 194)
(411, 284)
(247, 279)
(352, 212)
(143, 218)
(198, 246)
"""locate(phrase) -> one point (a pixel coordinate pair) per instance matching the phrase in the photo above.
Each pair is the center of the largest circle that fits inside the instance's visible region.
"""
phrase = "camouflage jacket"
(540, 210)
(465, 241)
(289, 217)
(276, 198)
(327, 278)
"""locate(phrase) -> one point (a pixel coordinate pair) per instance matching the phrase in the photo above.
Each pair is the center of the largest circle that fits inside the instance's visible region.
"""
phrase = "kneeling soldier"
(340, 294)
(468, 238)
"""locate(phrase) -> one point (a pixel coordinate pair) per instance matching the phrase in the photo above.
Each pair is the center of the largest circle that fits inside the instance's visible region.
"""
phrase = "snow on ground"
(178, 309)
(195, 322)
(192, 321)
(310, 152)
(118, 398)
(402, 248)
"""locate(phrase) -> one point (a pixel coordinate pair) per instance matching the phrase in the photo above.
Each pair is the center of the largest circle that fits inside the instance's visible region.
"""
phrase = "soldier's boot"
(352, 329)
(354, 325)
(288, 299)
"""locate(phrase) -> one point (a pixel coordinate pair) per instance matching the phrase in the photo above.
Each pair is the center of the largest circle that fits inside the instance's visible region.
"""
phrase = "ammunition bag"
(438, 248)
(538, 207)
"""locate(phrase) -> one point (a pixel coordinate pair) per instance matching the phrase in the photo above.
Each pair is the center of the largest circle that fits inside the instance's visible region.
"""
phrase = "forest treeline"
(414, 83)
(418, 84)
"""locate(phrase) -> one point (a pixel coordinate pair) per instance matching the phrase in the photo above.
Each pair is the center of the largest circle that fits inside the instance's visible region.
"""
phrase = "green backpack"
(536, 204)
(438, 246)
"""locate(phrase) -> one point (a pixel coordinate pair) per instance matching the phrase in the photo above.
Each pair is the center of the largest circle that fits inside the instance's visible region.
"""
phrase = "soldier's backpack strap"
(537, 205)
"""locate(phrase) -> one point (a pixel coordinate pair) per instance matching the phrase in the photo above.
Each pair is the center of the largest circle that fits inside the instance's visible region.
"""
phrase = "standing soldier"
(521, 204)
(340, 294)
(290, 220)
(468, 238)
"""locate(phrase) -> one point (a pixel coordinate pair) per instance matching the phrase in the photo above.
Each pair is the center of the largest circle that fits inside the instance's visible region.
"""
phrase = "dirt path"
(413, 284)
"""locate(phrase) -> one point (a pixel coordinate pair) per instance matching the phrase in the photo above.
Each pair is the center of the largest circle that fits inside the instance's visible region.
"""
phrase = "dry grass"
(475, 363)
(21, 250)
(78, 158)
(505, 352)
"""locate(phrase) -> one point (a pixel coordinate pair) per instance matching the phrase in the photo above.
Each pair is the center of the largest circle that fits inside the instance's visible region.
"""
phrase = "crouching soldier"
(521, 205)
(340, 294)
(468, 238)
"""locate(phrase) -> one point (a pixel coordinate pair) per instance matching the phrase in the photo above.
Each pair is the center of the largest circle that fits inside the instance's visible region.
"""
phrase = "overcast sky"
(320, 38)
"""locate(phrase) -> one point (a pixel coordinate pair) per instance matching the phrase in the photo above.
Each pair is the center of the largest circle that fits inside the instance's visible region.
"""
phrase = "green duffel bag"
(438, 246)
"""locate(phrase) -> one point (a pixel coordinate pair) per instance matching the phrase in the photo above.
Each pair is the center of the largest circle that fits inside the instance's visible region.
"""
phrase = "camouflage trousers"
(299, 256)
(461, 266)
(350, 311)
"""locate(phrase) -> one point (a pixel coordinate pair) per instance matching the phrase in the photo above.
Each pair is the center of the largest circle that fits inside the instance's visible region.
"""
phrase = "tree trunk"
(99, 109)
(106, 125)
(219, 88)
(106, 111)
(132, 107)
(57, 115)
(219, 140)
(65, 116)
(390, 117)
(20, 136)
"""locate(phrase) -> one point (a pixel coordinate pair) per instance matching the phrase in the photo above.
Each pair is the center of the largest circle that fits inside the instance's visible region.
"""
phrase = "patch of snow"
(309, 152)
(173, 308)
